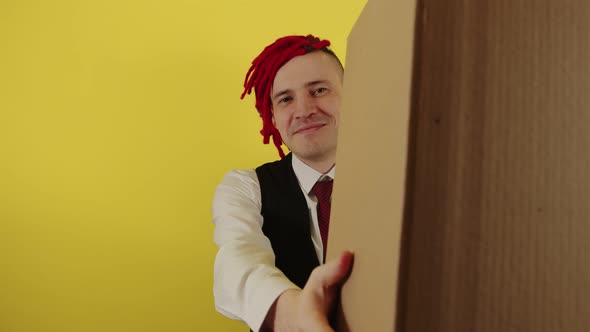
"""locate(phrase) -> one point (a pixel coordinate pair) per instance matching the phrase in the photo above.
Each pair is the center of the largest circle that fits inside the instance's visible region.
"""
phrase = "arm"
(247, 285)
(246, 281)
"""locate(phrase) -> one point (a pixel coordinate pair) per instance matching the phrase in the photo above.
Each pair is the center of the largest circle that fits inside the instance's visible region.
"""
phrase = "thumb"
(333, 272)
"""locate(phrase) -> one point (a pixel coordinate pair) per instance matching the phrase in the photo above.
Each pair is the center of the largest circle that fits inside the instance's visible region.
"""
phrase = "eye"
(319, 91)
(284, 100)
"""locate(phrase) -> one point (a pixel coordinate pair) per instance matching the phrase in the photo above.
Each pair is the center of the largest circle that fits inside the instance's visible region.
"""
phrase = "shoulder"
(237, 197)
(275, 167)
(244, 186)
(238, 176)
(239, 182)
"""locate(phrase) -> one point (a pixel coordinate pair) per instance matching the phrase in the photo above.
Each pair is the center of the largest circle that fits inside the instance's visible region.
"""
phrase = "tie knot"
(323, 190)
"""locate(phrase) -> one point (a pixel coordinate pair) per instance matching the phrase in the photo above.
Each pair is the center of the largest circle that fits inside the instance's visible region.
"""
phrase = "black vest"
(286, 220)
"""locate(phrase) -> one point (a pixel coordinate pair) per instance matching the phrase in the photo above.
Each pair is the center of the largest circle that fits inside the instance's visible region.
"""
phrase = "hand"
(309, 309)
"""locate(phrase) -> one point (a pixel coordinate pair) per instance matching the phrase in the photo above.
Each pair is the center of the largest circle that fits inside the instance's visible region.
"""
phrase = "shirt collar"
(308, 176)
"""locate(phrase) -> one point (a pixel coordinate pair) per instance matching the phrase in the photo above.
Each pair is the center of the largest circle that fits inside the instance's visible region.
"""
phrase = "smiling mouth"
(309, 129)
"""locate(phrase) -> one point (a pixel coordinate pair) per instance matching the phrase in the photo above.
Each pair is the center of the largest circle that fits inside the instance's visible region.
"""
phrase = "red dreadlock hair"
(261, 75)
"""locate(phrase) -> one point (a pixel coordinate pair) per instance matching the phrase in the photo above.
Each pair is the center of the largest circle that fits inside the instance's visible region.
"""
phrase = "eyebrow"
(307, 85)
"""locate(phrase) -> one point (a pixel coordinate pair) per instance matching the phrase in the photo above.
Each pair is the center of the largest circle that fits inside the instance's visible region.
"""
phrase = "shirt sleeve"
(246, 281)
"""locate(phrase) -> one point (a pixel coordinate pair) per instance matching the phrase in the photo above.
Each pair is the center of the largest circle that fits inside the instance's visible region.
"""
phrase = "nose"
(305, 106)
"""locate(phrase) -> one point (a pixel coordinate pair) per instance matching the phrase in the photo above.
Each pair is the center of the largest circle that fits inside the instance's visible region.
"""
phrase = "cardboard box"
(463, 155)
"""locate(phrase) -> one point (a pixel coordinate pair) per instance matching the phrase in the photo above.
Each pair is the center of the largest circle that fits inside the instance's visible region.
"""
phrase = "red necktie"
(323, 192)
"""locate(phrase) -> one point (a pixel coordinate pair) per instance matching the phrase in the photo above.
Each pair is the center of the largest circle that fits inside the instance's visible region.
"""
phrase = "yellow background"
(117, 120)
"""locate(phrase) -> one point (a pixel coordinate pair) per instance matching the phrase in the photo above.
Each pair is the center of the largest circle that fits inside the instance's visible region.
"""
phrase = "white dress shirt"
(246, 281)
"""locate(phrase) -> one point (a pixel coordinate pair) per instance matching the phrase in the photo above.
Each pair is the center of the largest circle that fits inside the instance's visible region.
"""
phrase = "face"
(306, 96)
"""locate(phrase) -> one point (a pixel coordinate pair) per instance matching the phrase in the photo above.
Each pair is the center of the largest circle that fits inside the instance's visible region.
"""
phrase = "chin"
(311, 152)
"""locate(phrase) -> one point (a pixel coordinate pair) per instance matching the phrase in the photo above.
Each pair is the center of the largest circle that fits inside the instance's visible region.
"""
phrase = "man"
(271, 223)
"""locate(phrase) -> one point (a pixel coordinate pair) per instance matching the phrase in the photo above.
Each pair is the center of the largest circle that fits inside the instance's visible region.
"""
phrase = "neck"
(323, 165)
